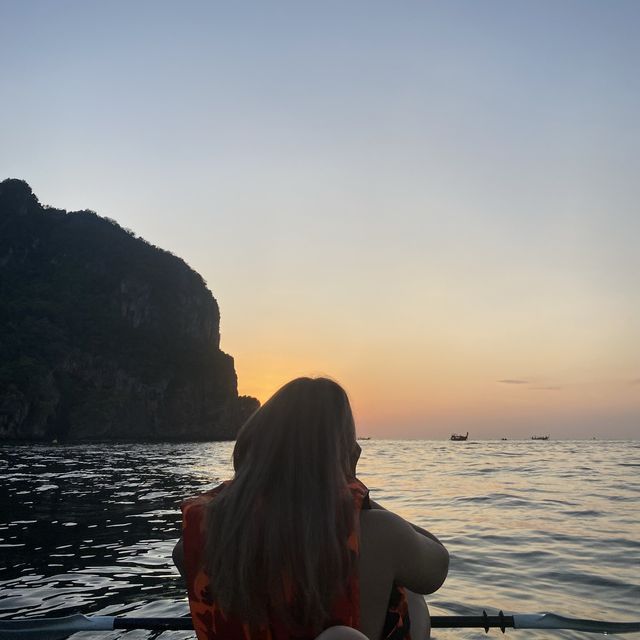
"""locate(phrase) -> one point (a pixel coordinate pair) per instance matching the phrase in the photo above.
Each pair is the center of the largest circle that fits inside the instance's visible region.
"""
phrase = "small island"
(105, 336)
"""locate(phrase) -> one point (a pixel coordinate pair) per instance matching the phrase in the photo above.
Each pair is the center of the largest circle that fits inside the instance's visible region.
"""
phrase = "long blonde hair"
(276, 536)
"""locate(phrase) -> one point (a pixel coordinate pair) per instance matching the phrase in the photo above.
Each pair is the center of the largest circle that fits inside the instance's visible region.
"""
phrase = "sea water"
(531, 526)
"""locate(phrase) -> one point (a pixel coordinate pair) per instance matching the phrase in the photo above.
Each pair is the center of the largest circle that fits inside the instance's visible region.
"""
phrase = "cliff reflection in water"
(89, 525)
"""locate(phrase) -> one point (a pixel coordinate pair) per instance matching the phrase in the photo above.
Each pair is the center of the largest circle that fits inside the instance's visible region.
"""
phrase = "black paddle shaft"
(437, 622)
(484, 621)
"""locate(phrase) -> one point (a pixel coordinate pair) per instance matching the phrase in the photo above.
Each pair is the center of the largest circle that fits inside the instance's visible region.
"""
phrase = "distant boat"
(458, 437)
(364, 437)
(502, 438)
(540, 437)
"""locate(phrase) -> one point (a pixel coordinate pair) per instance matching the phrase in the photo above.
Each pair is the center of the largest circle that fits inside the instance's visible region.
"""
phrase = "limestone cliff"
(104, 336)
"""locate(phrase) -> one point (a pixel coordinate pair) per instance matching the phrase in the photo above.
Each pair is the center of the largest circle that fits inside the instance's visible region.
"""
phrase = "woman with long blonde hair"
(292, 546)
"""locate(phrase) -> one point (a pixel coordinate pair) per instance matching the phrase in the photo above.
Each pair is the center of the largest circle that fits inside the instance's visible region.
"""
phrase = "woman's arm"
(178, 557)
(420, 530)
(420, 563)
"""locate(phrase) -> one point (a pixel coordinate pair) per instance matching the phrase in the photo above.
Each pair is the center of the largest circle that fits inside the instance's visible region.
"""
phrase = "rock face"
(104, 336)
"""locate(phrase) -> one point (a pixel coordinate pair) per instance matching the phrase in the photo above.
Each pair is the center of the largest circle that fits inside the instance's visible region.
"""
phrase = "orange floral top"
(211, 623)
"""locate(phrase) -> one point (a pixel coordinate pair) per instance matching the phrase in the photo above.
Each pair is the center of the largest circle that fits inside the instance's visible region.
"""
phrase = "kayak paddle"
(531, 621)
(55, 628)
(58, 628)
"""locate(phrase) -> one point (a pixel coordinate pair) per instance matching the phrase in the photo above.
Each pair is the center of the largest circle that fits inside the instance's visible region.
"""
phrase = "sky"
(434, 203)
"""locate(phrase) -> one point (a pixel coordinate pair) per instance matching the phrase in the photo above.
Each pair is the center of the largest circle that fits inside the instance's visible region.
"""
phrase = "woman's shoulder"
(388, 529)
(383, 522)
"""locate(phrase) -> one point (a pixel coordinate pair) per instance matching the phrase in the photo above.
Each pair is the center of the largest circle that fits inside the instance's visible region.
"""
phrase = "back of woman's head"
(277, 535)
(307, 425)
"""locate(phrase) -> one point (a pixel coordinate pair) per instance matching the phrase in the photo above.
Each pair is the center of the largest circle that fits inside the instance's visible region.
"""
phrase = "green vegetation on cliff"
(103, 335)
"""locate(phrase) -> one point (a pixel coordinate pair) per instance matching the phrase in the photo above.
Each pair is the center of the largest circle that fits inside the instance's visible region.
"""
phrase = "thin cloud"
(513, 381)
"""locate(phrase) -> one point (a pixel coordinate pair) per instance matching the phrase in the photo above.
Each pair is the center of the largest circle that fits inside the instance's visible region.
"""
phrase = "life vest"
(211, 623)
